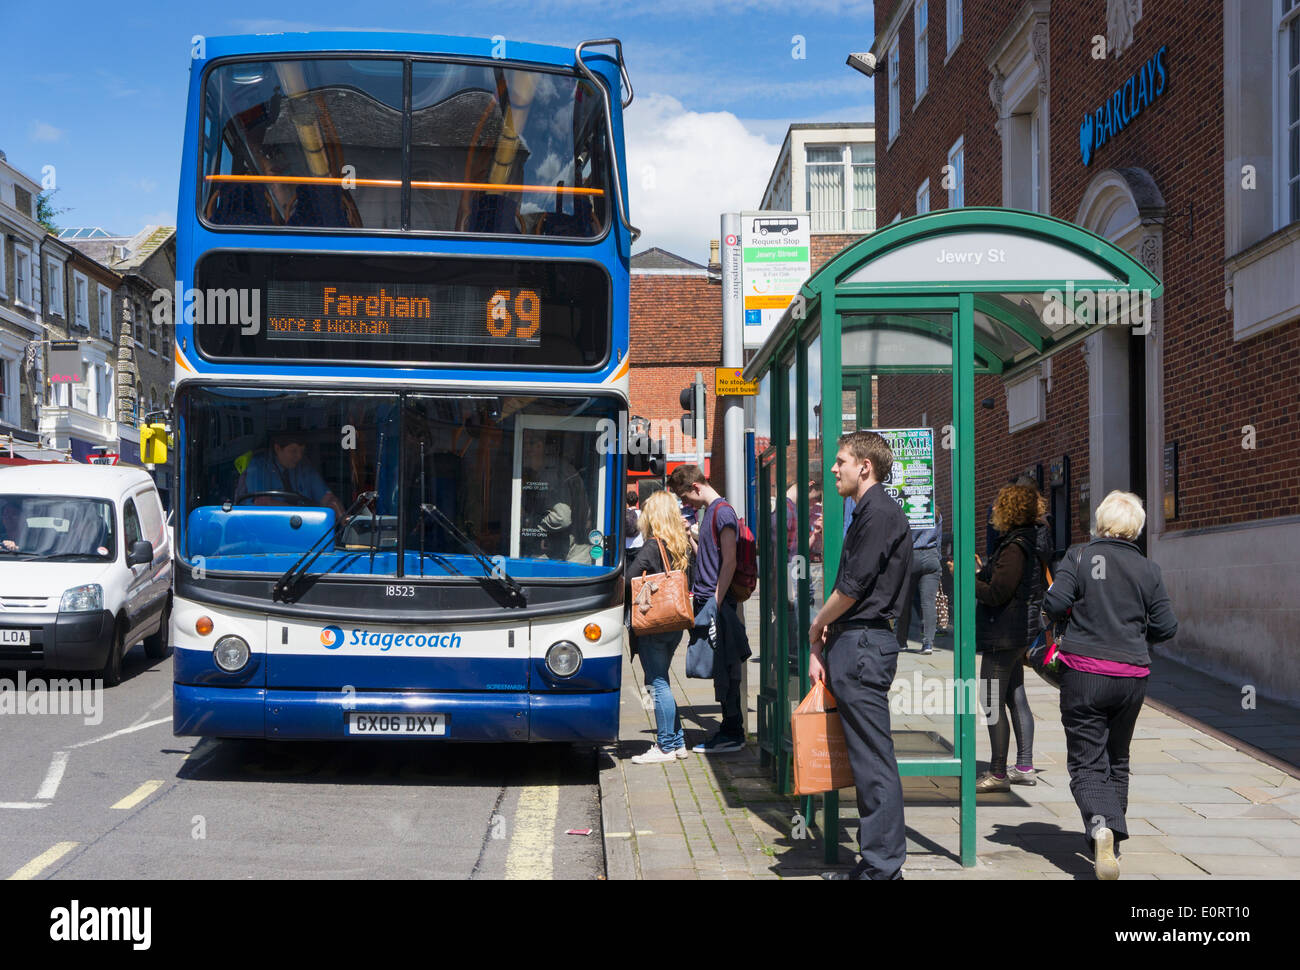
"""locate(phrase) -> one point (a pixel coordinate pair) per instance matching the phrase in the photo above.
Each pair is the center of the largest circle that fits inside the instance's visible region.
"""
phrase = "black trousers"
(1099, 713)
(860, 666)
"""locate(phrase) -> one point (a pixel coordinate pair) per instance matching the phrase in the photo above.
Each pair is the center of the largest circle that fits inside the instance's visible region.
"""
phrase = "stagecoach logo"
(332, 637)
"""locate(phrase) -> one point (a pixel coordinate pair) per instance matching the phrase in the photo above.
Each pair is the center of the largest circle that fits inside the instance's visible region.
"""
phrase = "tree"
(46, 213)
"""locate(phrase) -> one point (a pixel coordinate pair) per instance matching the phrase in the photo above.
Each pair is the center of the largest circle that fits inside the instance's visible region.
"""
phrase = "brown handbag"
(661, 602)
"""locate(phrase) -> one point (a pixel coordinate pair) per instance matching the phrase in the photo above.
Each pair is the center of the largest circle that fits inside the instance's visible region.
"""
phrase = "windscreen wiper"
(299, 568)
(489, 567)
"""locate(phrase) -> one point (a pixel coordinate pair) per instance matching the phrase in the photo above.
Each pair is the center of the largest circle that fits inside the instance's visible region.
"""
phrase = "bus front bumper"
(254, 712)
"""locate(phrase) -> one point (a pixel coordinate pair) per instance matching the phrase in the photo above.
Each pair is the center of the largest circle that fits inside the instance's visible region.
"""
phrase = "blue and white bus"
(402, 336)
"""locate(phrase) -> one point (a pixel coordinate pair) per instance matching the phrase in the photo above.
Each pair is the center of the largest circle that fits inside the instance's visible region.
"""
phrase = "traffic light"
(692, 399)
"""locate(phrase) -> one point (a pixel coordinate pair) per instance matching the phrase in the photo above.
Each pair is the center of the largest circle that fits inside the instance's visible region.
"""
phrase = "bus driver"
(281, 469)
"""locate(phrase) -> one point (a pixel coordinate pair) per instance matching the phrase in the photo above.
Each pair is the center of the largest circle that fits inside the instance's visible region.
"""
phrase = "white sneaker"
(683, 752)
(656, 755)
(1104, 862)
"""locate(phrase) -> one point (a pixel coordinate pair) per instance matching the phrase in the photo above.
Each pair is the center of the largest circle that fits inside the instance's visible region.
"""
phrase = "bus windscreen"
(401, 310)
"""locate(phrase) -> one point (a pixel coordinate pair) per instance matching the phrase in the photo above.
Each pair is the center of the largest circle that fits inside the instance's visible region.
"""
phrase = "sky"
(101, 96)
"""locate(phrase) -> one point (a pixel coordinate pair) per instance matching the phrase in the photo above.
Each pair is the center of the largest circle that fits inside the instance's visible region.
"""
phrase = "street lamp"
(863, 63)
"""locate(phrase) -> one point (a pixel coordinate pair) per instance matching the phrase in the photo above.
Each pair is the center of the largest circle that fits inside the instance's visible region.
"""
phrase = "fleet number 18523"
(400, 591)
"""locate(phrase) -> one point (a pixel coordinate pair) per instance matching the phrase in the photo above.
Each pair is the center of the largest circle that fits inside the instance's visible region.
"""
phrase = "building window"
(137, 320)
(104, 391)
(954, 24)
(153, 339)
(80, 301)
(841, 179)
(139, 403)
(894, 89)
(54, 273)
(22, 274)
(955, 176)
(1289, 100)
(923, 197)
(862, 157)
(105, 313)
(825, 173)
(922, 23)
(8, 390)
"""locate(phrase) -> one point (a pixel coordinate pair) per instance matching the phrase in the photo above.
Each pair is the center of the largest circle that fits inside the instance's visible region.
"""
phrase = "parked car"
(85, 568)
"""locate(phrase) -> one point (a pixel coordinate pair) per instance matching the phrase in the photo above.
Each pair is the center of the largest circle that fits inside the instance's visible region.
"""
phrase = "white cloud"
(686, 168)
(42, 131)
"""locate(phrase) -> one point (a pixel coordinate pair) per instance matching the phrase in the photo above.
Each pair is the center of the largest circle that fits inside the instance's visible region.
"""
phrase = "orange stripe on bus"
(396, 184)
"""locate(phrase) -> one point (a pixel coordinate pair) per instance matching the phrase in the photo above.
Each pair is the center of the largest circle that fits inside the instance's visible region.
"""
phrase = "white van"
(85, 568)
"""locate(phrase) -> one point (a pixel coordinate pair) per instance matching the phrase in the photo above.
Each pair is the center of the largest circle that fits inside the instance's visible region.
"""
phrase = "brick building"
(676, 331)
(1168, 128)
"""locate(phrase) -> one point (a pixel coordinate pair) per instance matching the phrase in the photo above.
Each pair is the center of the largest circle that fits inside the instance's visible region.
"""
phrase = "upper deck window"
(327, 144)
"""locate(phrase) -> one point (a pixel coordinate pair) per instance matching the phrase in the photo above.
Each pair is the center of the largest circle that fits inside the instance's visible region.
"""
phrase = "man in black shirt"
(853, 645)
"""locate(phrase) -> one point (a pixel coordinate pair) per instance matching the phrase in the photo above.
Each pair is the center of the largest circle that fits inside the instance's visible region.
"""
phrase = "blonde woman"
(1117, 605)
(661, 521)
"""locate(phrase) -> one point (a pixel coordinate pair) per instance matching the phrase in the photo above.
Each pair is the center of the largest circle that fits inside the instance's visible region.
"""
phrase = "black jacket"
(1117, 602)
(1009, 594)
(647, 560)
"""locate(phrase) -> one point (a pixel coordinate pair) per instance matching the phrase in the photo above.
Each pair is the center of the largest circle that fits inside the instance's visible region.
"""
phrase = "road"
(125, 799)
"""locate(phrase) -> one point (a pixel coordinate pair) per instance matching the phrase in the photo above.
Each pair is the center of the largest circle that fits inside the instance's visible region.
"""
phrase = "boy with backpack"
(725, 574)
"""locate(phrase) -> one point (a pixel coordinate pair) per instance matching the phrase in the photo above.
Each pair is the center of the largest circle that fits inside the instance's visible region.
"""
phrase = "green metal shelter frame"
(911, 298)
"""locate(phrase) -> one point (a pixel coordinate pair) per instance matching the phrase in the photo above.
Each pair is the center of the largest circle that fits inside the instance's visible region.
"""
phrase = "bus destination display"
(403, 313)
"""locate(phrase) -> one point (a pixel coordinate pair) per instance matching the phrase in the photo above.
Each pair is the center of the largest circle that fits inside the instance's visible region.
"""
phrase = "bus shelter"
(891, 334)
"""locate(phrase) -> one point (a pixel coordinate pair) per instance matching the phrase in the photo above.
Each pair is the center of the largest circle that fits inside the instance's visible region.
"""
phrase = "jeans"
(656, 652)
(733, 718)
(1002, 690)
(923, 581)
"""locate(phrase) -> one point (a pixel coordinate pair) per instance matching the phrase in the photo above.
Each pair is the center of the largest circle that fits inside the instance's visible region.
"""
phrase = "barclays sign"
(1112, 117)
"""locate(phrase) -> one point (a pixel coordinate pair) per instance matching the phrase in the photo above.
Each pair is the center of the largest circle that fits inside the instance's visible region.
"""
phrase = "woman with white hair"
(1117, 605)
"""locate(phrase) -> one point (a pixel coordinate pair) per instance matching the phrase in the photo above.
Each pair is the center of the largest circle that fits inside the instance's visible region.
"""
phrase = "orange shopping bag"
(821, 758)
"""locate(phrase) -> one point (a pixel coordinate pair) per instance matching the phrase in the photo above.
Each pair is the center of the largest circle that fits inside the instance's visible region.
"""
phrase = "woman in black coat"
(1117, 605)
(1009, 594)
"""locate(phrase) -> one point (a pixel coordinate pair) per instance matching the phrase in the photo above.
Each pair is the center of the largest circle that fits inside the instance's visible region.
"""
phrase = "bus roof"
(372, 42)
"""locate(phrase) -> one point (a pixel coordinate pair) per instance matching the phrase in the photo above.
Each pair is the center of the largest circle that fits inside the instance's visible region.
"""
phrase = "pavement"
(1215, 792)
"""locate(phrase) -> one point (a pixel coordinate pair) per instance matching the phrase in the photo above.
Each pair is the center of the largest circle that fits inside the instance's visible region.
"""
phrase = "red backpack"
(745, 579)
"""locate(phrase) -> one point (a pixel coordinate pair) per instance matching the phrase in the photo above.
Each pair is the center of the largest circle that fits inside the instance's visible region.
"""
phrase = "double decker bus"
(401, 367)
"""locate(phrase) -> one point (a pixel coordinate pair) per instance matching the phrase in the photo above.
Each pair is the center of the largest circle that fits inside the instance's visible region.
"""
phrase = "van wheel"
(111, 672)
(158, 646)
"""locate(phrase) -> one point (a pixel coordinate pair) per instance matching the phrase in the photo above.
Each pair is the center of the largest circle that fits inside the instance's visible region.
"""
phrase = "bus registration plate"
(390, 725)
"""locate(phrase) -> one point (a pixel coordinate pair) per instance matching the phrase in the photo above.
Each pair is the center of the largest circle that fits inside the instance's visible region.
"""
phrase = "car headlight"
(83, 599)
(231, 653)
(564, 658)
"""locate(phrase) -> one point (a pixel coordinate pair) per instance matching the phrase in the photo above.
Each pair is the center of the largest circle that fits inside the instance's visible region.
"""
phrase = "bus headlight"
(231, 653)
(564, 658)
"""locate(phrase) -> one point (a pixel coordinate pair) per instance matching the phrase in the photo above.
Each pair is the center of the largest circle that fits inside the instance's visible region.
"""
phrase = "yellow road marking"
(139, 795)
(44, 860)
(532, 846)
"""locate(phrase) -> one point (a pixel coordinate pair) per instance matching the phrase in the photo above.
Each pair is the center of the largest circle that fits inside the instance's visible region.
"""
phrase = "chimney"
(715, 261)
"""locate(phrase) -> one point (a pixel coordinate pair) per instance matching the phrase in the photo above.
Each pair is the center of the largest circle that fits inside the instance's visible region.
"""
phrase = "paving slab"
(1203, 805)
